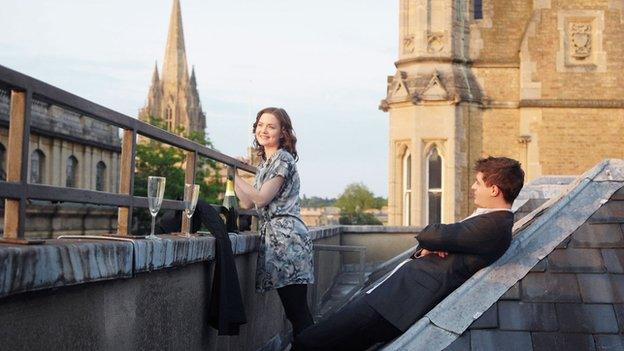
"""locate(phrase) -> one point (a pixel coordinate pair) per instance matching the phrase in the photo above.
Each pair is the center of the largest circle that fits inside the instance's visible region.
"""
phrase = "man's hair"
(503, 172)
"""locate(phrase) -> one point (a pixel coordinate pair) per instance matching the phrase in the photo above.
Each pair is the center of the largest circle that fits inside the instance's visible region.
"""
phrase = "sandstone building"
(173, 98)
(539, 81)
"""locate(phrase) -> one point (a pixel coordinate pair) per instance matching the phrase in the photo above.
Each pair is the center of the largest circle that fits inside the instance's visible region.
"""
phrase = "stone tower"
(173, 98)
(430, 99)
(531, 80)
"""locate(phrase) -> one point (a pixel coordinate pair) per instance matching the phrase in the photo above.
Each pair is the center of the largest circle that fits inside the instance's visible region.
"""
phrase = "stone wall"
(142, 294)
(572, 140)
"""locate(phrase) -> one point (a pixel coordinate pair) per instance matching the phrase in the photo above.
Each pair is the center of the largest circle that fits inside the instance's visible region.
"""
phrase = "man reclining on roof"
(449, 255)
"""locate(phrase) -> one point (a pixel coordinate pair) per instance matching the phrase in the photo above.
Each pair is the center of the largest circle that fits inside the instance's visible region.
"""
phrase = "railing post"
(126, 178)
(17, 167)
(189, 178)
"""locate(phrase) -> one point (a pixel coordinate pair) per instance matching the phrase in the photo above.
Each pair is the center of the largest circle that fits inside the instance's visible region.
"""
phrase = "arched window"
(477, 9)
(2, 163)
(37, 167)
(169, 119)
(434, 187)
(100, 176)
(407, 188)
(71, 172)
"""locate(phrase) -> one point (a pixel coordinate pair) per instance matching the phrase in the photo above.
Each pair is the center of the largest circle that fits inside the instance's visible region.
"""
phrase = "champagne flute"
(155, 194)
(191, 193)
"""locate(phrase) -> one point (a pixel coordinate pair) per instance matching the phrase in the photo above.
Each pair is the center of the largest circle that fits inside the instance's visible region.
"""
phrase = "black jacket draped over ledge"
(226, 311)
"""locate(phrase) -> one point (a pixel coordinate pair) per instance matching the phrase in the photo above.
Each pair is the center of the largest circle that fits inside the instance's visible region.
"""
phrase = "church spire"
(193, 79)
(173, 97)
(175, 69)
(155, 78)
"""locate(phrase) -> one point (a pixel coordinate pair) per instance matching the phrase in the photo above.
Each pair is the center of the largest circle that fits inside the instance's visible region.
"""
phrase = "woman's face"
(268, 131)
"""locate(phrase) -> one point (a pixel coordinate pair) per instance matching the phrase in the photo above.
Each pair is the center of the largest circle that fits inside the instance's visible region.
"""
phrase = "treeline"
(316, 201)
(353, 203)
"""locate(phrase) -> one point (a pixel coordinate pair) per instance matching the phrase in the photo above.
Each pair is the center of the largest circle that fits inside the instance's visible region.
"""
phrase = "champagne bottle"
(229, 200)
(231, 203)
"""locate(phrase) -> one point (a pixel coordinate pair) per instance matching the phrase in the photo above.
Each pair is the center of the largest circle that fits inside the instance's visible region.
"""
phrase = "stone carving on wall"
(408, 44)
(580, 38)
(435, 90)
(435, 42)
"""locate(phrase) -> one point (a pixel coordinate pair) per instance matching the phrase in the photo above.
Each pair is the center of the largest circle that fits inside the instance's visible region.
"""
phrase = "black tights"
(295, 301)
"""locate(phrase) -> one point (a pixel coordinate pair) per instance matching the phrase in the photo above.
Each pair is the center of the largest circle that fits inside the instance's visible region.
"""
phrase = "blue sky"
(324, 61)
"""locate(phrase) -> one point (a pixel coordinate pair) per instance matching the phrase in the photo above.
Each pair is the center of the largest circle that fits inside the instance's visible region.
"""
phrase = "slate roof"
(560, 286)
(573, 299)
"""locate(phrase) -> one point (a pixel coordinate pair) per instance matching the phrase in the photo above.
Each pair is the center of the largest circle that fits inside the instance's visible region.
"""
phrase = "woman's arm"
(249, 196)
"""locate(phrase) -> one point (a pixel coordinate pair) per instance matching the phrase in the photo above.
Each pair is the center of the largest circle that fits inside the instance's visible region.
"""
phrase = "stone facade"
(66, 149)
(320, 216)
(538, 81)
(173, 98)
(58, 135)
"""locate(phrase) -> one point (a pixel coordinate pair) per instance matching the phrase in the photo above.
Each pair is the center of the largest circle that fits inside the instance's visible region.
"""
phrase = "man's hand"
(425, 252)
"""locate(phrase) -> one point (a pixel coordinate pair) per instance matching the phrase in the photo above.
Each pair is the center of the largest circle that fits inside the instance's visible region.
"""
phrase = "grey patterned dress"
(285, 253)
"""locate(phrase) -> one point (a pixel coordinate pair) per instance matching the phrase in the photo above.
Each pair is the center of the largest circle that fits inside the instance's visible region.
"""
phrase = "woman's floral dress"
(285, 253)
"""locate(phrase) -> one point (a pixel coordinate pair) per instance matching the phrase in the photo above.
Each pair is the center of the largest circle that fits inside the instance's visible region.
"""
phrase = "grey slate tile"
(564, 243)
(610, 210)
(609, 342)
(562, 342)
(575, 260)
(598, 235)
(528, 316)
(601, 288)
(619, 313)
(494, 340)
(614, 260)
(460, 344)
(513, 293)
(540, 266)
(488, 320)
(586, 318)
(550, 287)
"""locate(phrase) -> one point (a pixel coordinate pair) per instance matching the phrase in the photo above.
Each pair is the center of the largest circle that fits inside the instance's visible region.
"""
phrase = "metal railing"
(17, 190)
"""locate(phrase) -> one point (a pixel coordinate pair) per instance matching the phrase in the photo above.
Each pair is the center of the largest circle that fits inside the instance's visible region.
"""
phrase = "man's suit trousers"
(357, 326)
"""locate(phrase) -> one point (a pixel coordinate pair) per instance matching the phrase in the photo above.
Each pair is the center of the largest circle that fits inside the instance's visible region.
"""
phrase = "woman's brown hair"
(288, 140)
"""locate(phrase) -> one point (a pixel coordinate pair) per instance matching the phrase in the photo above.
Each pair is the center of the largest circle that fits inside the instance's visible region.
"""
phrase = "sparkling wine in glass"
(191, 193)
(155, 194)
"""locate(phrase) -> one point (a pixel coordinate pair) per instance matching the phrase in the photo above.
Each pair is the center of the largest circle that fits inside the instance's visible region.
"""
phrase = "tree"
(354, 200)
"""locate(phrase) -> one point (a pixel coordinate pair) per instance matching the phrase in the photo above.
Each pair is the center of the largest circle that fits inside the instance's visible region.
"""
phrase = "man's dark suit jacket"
(423, 282)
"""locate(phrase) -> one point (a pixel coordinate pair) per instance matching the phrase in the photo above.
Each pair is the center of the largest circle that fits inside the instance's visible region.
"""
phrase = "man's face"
(483, 194)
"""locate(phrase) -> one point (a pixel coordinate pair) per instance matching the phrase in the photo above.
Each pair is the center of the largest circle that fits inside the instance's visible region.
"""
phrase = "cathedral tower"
(430, 99)
(173, 98)
(538, 81)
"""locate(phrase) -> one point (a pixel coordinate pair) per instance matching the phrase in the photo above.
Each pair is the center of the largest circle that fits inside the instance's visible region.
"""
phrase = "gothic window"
(2, 163)
(407, 188)
(100, 176)
(169, 119)
(71, 172)
(477, 9)
(434, 187)
(37, 167)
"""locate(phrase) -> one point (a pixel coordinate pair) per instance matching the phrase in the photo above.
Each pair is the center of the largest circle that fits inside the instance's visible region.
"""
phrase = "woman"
(285, 253)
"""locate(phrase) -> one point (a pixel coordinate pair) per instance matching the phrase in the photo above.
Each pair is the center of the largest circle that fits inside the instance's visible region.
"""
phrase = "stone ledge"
(376, 229)
(64, 262)
(61, 263)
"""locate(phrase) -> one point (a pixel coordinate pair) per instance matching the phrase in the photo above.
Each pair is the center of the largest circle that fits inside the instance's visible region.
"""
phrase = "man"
(450, 254)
